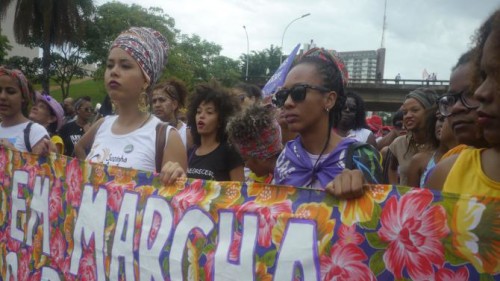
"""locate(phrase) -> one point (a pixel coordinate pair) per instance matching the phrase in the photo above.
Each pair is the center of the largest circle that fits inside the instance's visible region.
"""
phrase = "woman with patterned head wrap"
(256, 134)
(16, 131)
(135, 61)
(311, 100)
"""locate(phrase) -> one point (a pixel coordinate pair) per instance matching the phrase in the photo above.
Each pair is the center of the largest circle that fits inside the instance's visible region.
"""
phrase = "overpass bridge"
(389, 94)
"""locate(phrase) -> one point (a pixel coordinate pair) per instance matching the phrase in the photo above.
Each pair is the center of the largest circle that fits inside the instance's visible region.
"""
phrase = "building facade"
(7, 25)
(364, 66)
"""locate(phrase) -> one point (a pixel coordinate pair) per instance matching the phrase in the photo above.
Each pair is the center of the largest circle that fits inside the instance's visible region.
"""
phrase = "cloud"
(420, 34)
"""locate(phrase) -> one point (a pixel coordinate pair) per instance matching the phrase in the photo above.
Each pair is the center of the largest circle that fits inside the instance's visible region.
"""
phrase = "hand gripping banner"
(62, 219)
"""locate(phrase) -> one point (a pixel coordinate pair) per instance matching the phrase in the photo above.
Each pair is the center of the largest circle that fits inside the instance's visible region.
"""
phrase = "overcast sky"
(422, 34)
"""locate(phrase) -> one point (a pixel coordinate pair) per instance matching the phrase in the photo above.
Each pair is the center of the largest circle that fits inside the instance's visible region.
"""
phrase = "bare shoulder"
(440, 172)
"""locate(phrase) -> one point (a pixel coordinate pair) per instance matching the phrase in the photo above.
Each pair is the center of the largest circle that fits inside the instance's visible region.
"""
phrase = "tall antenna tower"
(384, 26)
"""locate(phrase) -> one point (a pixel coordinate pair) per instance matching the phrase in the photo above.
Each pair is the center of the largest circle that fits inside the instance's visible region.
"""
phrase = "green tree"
(47, 23)
(66, 64)
(262, 64)
(30, 68)
(4, 46)
(112, 18)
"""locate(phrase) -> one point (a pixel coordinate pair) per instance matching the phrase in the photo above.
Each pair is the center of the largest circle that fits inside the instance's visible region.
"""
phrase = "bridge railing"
(423, 83)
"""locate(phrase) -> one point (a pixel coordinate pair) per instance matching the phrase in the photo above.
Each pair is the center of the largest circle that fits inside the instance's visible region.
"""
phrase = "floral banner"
(62, 219)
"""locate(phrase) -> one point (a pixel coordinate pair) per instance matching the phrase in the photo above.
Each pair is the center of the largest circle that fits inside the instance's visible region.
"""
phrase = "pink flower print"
(345, 263)
(413, 229)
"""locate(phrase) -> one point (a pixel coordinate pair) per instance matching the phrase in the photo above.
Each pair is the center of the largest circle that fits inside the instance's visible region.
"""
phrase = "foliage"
(262, 64)
(114, 17)
(4, 46)
(52, 23)
(85, 87)
(30, 68)
(65, 65)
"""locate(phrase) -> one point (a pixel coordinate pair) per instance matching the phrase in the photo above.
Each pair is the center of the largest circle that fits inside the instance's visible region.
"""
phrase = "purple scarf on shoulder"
(295, 168)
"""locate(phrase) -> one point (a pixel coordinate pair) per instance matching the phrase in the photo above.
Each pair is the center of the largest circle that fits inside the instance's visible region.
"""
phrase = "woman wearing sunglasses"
(16, 130)
(50, 114)
(311, 100)
(72, 132)
(475, 170)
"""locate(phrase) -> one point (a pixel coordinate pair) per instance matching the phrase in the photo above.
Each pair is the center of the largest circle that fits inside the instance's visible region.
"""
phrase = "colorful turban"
(255, 133)
(27, 94)
(148, 47)
(330, 57)
(426, 97)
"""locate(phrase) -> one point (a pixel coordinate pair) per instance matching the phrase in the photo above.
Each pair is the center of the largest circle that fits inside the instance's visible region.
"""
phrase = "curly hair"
(176, 90)
(491, 25)
(332, 80)
(225, 104)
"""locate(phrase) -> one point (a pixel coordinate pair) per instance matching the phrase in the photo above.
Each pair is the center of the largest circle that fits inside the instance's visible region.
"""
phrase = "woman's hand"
(347, 185)
(170, 172)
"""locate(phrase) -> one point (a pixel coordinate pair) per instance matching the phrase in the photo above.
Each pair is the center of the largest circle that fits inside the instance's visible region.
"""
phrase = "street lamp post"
(248, 52)
(283, 37)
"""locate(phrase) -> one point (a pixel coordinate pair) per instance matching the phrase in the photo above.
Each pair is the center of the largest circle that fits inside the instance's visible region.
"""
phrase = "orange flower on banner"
(469, 243)
(98, 174)
(58, 161)
(144, 192)
(361, 209)
(262, 272)
(69, 224)
(230, 193)
(172, 189)
(3, 206)
(122, 175)
(267, 195)
(193, 256)
(17, 160)
(319, 212)
(38, 257)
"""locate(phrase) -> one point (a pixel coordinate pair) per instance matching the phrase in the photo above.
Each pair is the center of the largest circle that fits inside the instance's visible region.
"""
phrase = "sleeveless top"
(183, 133)
(467, 177)
(132, 150)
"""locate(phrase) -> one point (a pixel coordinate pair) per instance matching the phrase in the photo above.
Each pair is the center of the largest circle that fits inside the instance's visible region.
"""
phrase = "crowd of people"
(314, 133)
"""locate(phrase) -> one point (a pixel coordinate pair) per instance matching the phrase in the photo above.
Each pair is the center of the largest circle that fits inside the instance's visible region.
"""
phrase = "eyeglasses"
(447, 102)
(297, 92)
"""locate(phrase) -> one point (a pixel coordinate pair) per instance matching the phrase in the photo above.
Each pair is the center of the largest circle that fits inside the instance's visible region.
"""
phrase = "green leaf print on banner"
(374, 241)
(373, 223)
(377, 264)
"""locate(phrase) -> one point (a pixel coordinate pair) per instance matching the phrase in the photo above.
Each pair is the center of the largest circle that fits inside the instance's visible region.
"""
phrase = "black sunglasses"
(297, 92)
(447, 101)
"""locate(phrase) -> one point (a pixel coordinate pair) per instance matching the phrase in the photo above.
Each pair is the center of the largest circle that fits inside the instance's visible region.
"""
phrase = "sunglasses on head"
(297, 93)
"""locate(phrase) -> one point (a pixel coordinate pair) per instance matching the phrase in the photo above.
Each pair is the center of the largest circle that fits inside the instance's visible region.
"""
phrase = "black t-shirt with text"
(214, 165)
(70, 134)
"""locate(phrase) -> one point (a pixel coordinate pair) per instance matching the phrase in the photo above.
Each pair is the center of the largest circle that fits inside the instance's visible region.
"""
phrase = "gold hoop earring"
(143, 102)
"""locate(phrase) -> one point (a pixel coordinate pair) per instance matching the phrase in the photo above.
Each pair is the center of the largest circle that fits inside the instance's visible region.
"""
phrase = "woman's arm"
(438, 176)
(237, 174)
(416, 168)
(372, 140)
(393, 170)
(175, 151)
(87, 140)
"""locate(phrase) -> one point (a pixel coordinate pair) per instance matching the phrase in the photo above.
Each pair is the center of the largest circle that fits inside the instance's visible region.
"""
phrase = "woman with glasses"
(168, 98)
(135, 61)
(311, 101)
(352, 123)
(459, 106)
(475, 170)
(50, 114)
(403, 148)
(72, 132)
(16, 130)
(248, 94)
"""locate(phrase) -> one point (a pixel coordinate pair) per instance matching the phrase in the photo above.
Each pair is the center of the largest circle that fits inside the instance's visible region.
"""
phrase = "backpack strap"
(349, 158)
(26, 132)
(161, 138)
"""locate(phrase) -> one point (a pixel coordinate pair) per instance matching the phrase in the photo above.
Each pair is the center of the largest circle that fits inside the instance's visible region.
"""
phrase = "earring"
(143, 102)
(327, 109)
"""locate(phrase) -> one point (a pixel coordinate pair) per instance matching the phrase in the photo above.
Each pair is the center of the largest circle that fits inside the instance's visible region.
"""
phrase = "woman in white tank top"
(135, 62)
